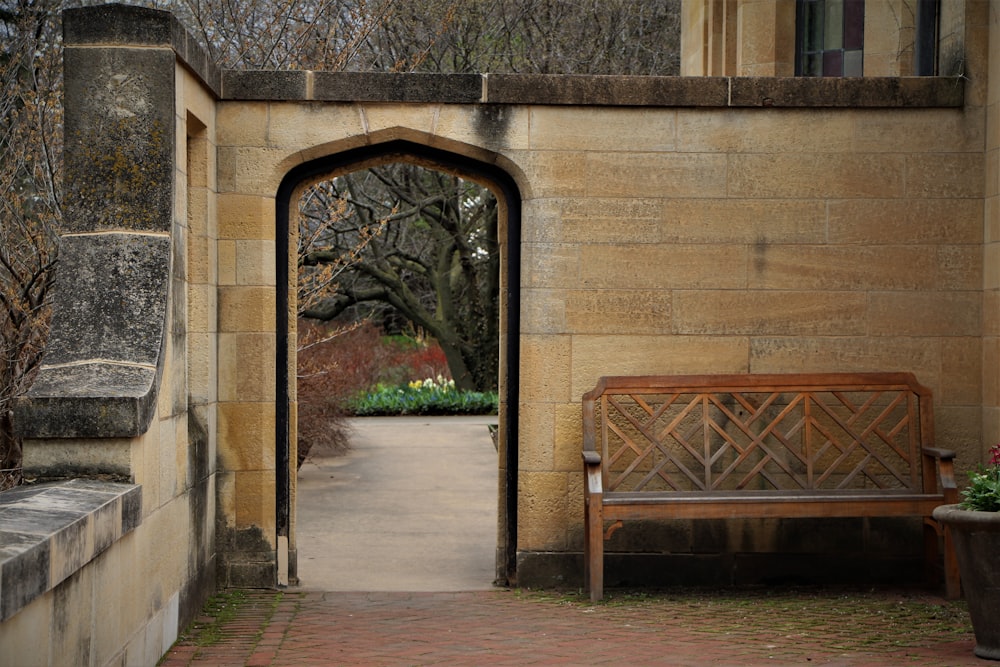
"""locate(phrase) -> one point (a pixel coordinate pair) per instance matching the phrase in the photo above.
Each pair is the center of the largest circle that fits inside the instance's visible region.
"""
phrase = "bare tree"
(283, 34)
(528, 36)
(423, 243)
(30, 149)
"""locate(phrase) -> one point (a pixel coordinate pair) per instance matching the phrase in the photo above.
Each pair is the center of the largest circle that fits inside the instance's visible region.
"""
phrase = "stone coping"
(50, 531)
(125, 25)
(612, 91)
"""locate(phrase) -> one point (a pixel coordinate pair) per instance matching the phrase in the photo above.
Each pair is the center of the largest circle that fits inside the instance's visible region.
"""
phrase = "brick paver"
(529, 628)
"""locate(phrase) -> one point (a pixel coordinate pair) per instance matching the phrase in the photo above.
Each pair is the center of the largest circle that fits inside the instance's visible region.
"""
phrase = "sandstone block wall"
(658, 239)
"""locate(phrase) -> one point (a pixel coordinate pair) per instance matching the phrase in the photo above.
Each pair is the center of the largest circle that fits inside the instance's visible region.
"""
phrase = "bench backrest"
(788, 432)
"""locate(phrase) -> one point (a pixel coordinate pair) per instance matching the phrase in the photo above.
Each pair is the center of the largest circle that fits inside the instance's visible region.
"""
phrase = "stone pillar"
(991, 237)
(694, 38)
(765, 40)
(104, 358)
(738, 38)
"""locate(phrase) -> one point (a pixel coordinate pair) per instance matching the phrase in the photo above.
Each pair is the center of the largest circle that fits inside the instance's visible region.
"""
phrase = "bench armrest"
(593, 477)
(938, 453)
(940, 463)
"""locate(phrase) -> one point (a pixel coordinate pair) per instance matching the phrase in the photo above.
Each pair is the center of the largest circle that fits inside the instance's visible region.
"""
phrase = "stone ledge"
(120, 25)
(94, 400)
(657, 91)
(852, 93)
(50, 531)
(123, 25)
(610, 91)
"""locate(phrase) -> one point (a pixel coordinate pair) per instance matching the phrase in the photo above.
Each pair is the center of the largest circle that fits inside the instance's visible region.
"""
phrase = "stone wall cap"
(606, 90)
(845, 92)
(94, 400)
(128, 25)
(594, 90)
(51, 531)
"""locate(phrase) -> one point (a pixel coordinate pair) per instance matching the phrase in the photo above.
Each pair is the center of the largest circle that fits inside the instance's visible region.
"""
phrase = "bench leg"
(593, 557)
(952, 580)
(935, 534)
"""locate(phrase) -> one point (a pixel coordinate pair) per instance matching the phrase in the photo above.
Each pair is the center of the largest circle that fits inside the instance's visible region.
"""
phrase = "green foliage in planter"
(427, 397)
(983, 492)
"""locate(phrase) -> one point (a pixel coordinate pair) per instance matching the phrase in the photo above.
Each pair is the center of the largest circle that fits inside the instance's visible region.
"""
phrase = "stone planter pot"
(976, 536)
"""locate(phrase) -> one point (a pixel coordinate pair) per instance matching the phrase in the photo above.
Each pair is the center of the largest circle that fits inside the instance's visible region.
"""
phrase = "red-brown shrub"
(337, 362)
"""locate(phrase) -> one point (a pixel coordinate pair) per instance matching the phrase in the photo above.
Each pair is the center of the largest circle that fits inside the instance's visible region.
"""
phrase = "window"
(830, 37)
(925, 44)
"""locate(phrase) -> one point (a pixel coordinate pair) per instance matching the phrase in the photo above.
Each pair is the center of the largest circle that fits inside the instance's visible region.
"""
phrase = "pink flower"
(995, 455)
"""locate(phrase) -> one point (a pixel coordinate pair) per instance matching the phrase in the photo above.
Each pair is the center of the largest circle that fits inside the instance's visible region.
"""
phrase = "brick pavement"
(531, 628)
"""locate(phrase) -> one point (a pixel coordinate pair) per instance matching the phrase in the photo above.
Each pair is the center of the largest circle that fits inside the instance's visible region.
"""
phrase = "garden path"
(411, 507)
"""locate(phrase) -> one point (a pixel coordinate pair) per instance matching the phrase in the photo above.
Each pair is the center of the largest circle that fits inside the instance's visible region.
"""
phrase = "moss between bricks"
(208, 629)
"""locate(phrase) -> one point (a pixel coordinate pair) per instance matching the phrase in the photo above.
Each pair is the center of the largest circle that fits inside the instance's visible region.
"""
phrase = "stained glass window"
(830, 37)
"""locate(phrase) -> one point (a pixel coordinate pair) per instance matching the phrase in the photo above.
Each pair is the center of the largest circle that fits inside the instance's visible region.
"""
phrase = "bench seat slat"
(732, 506)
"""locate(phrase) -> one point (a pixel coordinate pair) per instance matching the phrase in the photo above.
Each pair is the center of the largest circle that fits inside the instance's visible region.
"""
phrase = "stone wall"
(761, 226)
(125, 392)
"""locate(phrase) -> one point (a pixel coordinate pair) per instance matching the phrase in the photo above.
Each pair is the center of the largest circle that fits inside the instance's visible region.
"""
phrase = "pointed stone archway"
(508, 197)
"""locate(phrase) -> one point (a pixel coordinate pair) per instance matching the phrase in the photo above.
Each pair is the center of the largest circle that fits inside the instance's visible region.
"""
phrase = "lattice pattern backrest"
(763, 438)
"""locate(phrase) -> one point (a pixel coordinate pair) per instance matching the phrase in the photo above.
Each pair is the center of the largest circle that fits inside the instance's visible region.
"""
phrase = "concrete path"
(412, 507)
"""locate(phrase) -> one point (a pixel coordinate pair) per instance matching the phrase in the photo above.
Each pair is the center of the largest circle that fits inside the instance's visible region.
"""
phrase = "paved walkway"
(514, 628)
(375, 594)
(411, 507)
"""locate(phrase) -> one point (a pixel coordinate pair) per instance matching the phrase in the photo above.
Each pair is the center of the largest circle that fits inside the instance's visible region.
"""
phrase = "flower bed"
(432, 396)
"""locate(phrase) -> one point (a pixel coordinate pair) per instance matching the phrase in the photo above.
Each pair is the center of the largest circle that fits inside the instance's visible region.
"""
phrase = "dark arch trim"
(507, 189)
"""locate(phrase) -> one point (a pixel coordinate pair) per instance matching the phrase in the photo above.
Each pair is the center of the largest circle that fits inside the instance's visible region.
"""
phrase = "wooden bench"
(761, 446)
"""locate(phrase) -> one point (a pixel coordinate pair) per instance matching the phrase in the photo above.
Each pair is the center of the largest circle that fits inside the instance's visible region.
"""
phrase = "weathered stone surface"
(640, 174)
(940, 313)
(769, 312)
(917, 221)
(750, 221)
(940, 175)
(128, 24)
(606, 90)
(96, 400)
(742, 131)
(393, 87)
(847, 92)
(53, 530)
(119, 153)
(99, 377)
(843, 267)
(636, 129)
(816, 175)
(265, 85)
(118, 24)
(111, 300)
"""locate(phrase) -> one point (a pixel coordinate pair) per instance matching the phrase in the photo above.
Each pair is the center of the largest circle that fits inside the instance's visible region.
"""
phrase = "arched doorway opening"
(508, 198)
